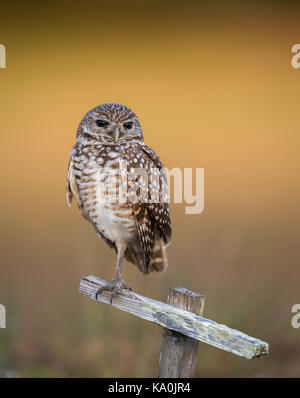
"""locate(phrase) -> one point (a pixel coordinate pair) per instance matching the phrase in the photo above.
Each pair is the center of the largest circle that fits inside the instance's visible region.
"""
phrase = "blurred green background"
(213, 86)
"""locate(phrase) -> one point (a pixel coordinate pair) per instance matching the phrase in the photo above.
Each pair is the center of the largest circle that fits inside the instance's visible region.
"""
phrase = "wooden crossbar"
(178, 320)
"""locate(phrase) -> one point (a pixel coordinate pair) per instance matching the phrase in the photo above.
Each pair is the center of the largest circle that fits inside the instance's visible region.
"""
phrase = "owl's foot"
(114, 286)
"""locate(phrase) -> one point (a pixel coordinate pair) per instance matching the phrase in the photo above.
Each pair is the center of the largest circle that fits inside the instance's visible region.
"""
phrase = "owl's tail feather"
(159, 259)
(155, 262)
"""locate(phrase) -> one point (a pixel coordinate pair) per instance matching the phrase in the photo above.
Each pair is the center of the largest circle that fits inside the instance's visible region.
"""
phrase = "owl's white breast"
(101, 201)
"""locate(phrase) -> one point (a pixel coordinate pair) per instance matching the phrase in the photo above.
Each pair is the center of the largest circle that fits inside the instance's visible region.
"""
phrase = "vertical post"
(178, 352)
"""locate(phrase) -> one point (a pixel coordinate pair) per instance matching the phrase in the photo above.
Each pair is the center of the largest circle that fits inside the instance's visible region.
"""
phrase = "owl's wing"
(72, 187)
(160, 210)
(145, 229)
(152, 216)
(69, 194)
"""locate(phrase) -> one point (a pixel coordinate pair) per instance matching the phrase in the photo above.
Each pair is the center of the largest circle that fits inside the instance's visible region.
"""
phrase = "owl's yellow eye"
(102, 123)
(128, 125)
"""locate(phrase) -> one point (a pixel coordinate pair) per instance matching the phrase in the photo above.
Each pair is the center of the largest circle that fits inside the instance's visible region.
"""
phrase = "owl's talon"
(114, 286)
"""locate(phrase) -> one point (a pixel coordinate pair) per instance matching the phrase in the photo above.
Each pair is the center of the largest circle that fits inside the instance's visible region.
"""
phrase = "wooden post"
(178, 352)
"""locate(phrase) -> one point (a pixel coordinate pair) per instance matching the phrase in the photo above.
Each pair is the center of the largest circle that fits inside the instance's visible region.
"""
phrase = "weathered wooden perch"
(178, 352)
(178, 320)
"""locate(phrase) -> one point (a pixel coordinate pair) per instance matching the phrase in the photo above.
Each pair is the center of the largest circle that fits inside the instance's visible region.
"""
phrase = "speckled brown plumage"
(120, 187)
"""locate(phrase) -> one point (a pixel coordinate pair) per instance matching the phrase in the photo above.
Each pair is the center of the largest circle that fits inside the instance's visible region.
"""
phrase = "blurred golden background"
(213, 86)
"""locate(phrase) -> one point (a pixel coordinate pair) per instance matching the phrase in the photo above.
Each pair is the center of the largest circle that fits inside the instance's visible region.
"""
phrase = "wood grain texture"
(178, 352)
(179, 320)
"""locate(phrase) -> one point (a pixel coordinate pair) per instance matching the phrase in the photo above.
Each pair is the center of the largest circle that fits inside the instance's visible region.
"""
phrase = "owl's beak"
(116, 133)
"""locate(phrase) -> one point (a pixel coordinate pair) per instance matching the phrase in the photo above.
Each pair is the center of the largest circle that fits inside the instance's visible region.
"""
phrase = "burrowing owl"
(120, 187)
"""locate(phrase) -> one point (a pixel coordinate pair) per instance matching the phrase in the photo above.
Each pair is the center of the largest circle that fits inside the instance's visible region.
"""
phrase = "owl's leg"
(118, 283)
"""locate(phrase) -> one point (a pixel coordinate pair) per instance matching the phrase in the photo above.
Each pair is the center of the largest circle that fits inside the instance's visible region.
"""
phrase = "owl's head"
(110, 124)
